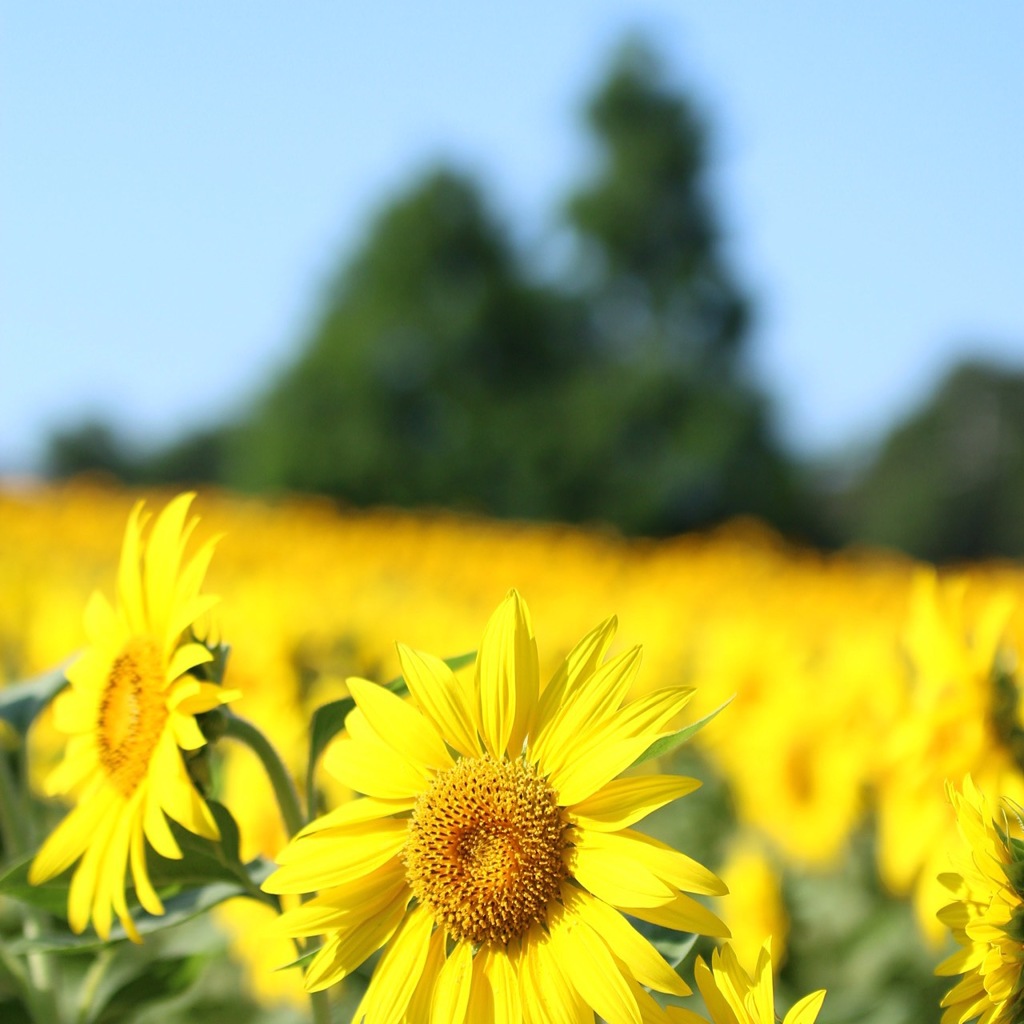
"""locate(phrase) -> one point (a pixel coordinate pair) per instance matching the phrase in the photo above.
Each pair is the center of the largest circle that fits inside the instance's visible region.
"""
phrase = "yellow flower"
(733, 997)
(986, 919)
(491, 855)
(129, 711)
(755, 907)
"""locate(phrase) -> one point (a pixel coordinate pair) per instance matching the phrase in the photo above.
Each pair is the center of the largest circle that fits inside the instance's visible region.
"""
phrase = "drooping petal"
(72, 836)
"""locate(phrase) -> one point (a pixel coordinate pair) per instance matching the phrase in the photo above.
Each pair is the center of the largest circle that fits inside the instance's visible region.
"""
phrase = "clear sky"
(179, 178)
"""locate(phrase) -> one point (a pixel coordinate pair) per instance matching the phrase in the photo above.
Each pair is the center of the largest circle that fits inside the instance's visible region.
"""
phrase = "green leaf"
(672, 945)
(20, 703)
(179, 908)
(300, 961)
(51, 896)
(659, 748)
(208, 873)
(329, 719)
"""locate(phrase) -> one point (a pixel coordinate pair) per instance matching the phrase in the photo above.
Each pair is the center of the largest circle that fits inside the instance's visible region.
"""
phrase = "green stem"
(12, 814)
(321, 1005)
(291, 811)
(15, 829)
(284, 788)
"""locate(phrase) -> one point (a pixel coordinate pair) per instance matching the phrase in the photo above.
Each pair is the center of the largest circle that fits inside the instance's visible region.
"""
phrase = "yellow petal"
(400, 726)
(623, 802)
(582, 778)
(344, 907)
(602, 872)
(674, 867)
(400, 968)
(502, 982)
(129, 580)
(140, 873)
(340, 956)
(507, 677)
(418, 1011)
(806, 1010)
(70, 839)
(333, 858)
(579, 664)
(185, 658)
(366, 808)
(720, 1010)
(591, 970)
(586, 707)
(644, 962)
(682, 914)
(163, 559)
(451, 991)
(440, 697)
(546, 995)
(177, 796)
(373, 769)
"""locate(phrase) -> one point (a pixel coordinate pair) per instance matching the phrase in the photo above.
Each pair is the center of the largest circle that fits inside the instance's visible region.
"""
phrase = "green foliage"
(948, 483)
(441, 371)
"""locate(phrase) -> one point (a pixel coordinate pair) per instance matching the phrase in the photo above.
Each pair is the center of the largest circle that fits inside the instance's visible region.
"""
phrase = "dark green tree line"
(441, 371)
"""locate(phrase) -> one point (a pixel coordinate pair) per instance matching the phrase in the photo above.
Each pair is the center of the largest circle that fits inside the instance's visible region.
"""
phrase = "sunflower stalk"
(285, 792)
(16, 832)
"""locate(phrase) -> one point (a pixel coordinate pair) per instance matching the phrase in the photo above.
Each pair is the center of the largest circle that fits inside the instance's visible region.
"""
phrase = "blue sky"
(179, 179)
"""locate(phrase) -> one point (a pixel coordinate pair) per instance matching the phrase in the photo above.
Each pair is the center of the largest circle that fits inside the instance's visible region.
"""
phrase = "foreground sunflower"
(491, 855)
(987, 918)
(129, 710)
(733, 997)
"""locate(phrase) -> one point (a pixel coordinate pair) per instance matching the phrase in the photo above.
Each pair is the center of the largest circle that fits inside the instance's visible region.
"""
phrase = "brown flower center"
(132, 714)
(485, 849)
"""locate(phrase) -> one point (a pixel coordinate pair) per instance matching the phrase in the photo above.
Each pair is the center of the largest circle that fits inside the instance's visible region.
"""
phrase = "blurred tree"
(431, 375)
(683, 438)
(91, 445)
(948, 483)
(440, 371)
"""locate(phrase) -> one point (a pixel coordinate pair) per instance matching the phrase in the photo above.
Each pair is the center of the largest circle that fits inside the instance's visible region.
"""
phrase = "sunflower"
(129, 711)
(987, 917)
(491, 855)
(733, 997)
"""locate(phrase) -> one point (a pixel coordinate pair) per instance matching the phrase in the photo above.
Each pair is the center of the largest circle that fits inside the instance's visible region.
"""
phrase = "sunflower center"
(132, 714)
(485, 849)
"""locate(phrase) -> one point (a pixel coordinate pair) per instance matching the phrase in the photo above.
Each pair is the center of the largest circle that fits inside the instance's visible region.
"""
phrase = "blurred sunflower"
(491, 854)
(129, 711)
(733, 997)
(987, 917)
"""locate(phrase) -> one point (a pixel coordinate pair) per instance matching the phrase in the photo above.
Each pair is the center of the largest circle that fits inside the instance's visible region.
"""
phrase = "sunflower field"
(854, 776)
